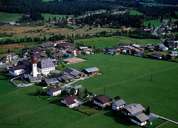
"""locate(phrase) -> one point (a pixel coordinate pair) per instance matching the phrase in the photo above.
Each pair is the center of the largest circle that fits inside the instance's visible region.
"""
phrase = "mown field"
(8, 17)
(102, 42)
(52, 16)
(137, 80)
(154, 22)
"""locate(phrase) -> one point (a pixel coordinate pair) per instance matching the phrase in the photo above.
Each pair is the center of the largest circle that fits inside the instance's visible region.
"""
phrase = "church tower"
(34, 67)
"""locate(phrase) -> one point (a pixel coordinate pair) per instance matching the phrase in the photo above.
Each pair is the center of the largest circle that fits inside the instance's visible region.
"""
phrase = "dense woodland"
(77, 7)
(108, 20)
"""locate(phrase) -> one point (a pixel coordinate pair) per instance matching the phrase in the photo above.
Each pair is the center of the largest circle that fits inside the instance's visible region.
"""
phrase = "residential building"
(54, 91)
(118, 104)
(70, 101)
(135, 113)
(46, 66)
(91, 71)
(102, 101)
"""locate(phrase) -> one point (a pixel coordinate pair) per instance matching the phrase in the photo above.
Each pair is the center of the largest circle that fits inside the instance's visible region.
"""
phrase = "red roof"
(102, 99)
(70, 100)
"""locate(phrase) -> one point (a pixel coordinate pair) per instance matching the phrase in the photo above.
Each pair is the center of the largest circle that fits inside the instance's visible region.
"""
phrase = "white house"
(54, 91)
(46, 66)
(17, 70)
(70, 101)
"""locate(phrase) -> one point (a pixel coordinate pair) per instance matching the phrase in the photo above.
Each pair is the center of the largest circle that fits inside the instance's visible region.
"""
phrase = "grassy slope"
(48, 15)
(101, 42)
(128, 77)
(7, 17)
(135, 12)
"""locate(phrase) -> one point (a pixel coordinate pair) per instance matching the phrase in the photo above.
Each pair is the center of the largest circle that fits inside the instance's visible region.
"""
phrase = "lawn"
(137, 80)
(154, 22)
(8, 17)
(102, 42)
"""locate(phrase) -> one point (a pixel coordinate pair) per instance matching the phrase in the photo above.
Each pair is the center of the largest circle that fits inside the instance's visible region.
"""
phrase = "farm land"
(128, 77)
(137, 80)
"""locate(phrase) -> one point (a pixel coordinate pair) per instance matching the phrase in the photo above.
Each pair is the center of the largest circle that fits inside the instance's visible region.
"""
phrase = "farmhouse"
(70, 101)
(51, 81)
(118, 104)
(110, 51)
(46, 66)
(91, 71)
(54, 91)
(171, 43)
(17, 70)
(135, 113)
(102, 101)
(65, 78)
(73, 72)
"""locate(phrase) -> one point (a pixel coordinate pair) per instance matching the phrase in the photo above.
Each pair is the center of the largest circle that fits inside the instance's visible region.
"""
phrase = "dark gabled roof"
(102, 99)
(69, 100)
(134, 108)
(51, 81)
(18, 67)
(46, 63)
(73, 71)
(119, 102)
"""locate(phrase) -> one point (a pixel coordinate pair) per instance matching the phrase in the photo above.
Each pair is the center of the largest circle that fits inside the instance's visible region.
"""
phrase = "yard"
(102, 42)
(137, 80)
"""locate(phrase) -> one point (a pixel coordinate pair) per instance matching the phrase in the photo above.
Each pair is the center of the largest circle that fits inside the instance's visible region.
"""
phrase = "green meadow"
(8, 17)
(102, 42)
(149, 82)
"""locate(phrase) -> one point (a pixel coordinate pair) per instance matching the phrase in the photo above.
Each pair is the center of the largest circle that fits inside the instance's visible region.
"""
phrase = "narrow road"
(167, 119)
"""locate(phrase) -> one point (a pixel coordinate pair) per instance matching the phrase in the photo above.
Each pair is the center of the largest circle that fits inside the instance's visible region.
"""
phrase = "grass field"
(135, 12)
(155, 22)
(139, 80)
(102, 42)
(48, 15)
(8, 17)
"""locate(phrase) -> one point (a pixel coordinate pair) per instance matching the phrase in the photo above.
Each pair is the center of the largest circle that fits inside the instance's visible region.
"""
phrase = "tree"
(147, 111)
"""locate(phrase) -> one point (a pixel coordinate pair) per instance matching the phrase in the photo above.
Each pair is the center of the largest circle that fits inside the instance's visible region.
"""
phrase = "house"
(173, 53)
(46, 66)
(73, 72)
(118, 104)
(157, 56)
(51, 81)
(54, 91)
(65, 78)
(102, 101)
(86, 50)
(135, 113)
(162, 47)
(91, 71)
(65, 45)
(171, 43)
(17, 70)
(70, 101)
(110, 51)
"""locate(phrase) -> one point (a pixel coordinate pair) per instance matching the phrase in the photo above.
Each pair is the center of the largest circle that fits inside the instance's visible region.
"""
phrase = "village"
(45, 66)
